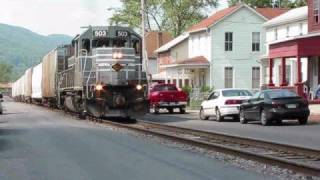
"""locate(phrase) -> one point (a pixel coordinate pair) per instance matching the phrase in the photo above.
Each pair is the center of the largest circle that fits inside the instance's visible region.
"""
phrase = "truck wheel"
(170, 110)
(303, 120)
(182, 111)
(156, 110)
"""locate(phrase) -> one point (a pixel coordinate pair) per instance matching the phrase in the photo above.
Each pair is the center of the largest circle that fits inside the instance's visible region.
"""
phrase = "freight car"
(99, 73)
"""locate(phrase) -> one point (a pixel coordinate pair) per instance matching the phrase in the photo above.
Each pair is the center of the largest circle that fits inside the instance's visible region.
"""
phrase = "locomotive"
(100, 73)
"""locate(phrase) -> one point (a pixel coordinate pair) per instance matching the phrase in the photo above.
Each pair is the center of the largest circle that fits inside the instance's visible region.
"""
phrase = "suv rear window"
(165, 88)
(232, 93)
(281, 93)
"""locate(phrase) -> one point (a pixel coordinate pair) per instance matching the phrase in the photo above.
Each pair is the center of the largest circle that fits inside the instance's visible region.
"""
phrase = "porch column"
(283, 71)
(270, 72)
(318, 69)
(299, 83)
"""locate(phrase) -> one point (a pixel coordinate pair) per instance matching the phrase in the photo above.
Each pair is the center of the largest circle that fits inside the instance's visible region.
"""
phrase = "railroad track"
(299, 159)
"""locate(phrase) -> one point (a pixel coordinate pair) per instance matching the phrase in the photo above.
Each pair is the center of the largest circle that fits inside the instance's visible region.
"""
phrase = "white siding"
(199, 45)
(286, 30)
(242, 23)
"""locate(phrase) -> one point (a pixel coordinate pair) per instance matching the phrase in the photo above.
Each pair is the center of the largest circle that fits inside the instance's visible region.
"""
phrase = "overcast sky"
(58, 16)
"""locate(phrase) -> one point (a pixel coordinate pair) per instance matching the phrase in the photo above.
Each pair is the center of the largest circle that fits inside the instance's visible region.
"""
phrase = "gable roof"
(293, 15)
(173, 43)
(270, 13)
(265, 13)
(213, 18)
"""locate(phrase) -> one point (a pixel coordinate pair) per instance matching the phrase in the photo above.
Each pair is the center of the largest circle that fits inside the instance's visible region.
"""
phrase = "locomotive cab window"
(86, 44)
(136, 46)
(119, 43)
(100, 43)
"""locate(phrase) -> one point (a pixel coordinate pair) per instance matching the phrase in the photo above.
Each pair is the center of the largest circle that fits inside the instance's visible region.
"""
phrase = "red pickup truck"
(167, 96)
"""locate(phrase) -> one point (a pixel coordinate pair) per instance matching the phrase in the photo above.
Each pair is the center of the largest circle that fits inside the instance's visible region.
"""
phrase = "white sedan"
(223, 102)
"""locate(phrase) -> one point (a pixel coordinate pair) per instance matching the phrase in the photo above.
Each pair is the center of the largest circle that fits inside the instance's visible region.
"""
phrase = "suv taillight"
(233, 101)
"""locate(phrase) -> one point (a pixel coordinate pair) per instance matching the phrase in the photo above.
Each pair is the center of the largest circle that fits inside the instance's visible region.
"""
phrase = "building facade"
(293, 61)
(221, 51)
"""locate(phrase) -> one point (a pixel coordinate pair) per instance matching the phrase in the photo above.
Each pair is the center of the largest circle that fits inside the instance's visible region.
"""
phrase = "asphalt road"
(290, 132)
(37, 143)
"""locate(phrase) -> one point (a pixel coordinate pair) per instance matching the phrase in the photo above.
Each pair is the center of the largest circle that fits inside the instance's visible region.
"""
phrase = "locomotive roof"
(88, 32)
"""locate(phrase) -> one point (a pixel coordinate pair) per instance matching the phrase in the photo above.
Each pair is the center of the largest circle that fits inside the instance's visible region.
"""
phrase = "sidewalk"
(315, 109)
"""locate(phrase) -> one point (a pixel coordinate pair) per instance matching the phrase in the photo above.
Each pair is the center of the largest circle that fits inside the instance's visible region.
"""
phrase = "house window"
(256, 41)
(255, 77)
(228, 77)
(316, 4)
(228, 41)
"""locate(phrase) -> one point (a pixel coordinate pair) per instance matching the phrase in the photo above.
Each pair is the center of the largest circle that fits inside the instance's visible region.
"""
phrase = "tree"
(5, 72)
(169, 15)
(270, 3)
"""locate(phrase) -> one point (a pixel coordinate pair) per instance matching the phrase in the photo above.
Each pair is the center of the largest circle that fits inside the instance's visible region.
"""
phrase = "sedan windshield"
(232, 93)
(281, 93)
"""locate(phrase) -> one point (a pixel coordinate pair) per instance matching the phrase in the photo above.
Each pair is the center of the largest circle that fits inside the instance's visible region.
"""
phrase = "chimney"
(160, 39)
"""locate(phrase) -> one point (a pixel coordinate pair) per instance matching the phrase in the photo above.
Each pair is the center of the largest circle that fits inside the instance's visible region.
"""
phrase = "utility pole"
(144, 50)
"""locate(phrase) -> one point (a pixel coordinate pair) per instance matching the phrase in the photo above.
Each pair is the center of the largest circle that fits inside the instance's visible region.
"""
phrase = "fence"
(196, 97)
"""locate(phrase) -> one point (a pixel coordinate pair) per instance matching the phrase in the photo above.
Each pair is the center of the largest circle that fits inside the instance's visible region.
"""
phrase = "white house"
(221, 51)
(287, 26)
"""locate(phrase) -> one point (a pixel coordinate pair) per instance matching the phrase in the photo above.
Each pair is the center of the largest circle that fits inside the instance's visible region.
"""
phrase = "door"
(250, 106)
(209, 105)
(256, 107)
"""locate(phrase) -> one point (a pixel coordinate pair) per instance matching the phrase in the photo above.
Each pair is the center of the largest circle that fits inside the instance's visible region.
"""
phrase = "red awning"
(302, 46)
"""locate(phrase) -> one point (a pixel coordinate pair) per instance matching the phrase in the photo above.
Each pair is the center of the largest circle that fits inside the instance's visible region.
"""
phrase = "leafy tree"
(169, 15)
(270, 3)
(5, 72)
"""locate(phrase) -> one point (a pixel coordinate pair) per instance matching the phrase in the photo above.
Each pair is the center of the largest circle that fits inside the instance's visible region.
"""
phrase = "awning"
(195, 62)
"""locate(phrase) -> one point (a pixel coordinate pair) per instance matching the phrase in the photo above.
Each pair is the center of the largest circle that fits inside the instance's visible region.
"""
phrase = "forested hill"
(23, 48)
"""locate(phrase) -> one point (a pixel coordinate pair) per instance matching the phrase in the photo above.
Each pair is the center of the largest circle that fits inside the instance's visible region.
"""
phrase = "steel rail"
(296, 158)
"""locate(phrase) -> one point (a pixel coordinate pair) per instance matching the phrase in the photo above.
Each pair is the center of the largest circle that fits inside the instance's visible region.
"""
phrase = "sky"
(56, 16)
(59, 16)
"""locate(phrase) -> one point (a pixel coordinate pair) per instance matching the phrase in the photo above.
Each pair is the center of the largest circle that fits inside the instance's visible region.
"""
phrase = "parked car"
(1, 100)
(275, 105)
(167, 96)
(223, 102)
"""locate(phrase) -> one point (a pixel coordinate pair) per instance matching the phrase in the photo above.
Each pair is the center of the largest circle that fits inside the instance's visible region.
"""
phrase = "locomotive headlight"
(117, 55)
(139, 87)
(99, 87)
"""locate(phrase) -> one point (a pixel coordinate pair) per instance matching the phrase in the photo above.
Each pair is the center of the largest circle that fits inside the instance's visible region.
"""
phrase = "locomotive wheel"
(83, 115)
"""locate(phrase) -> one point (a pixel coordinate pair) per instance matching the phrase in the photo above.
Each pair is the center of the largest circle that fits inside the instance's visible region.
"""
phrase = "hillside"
(23, 48)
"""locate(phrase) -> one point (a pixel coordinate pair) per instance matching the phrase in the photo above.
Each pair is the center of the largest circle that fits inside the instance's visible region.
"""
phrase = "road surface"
(37, 143)
(290, 132)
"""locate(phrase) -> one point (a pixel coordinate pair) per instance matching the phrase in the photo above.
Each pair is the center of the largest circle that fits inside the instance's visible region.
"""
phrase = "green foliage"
(5, 73)
(163, 15)
(22, 48)
(187, 89)
(268, 3)
(205, 89)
